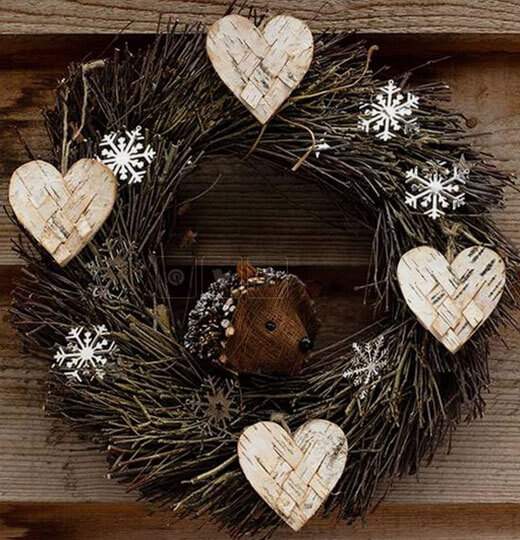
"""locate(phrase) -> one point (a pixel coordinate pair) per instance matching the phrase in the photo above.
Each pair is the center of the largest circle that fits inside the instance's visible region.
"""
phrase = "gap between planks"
(242, 216)
(41, 460)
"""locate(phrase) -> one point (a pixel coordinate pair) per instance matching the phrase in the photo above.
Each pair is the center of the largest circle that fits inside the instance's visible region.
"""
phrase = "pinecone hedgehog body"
(258, 320)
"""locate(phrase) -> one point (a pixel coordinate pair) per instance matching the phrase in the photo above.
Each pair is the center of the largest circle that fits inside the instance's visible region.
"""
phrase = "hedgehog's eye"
(271, 326)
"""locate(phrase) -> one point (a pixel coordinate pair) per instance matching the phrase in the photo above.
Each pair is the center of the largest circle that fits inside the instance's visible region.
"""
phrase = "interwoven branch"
(149, 413)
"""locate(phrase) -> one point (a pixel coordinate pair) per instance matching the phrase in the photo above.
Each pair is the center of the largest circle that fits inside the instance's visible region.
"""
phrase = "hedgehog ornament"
(257, 320)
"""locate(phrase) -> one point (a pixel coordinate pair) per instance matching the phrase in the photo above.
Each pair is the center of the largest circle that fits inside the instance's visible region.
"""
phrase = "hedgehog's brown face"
(274, 329)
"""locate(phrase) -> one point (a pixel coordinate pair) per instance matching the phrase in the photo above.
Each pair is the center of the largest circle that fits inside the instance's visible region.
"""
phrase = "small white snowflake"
(85, 354)
(436, 187)
(389, 113)
(367, 364)
(125, 154)
(321, 145)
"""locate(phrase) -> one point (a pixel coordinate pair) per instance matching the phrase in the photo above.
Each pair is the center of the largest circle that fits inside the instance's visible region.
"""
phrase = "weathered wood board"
(391, 16)
(245, 215)
(452, 300)
(293, 473)
(129, 521)
(462, 495)
(260, 66)
(42, 460)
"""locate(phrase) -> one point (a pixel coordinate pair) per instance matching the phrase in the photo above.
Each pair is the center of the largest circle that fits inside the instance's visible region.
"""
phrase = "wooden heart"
(260, 68)
(63, 213)
(451, 301)
(293, 474)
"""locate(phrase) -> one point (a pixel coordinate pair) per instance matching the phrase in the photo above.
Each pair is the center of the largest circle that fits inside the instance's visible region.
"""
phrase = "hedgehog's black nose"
(306, 344)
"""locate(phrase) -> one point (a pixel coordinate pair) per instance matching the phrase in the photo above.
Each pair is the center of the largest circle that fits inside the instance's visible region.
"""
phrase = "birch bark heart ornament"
(186, 405)
(293, 474)
(260, 68)
(63, 213)
(451, 301)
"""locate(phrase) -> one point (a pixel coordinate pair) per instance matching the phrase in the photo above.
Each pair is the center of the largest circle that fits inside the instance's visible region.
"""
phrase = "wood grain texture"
(63, 213)
(390, 16)
(78, 521)
(293, 473)
(451, 300)
(462, 494)
(245, 215)
(42, 460)
(260, 66)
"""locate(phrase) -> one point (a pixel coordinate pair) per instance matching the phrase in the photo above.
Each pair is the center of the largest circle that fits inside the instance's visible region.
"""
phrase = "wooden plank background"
(389, 16)
(52, 484)
(131, 522)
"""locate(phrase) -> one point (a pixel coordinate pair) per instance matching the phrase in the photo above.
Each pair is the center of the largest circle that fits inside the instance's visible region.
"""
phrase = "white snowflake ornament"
(367, 364)
(86, 353)
(126, 155)
(436, 187)
(389, 113)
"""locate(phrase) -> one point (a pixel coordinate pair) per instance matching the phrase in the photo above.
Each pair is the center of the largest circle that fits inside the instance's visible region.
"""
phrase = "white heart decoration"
(260, 68)
(63, 213)
(293, 474)
(451, 301)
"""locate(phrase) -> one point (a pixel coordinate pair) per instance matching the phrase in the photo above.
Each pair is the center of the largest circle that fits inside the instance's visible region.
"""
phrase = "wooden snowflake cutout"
(215, 405)
(115, 264)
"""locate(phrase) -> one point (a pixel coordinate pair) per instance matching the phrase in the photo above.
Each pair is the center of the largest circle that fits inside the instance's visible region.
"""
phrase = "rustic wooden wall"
(53, 485)
(391, 16)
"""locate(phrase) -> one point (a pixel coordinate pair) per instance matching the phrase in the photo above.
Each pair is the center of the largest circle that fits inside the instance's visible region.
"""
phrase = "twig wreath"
(185, 415)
